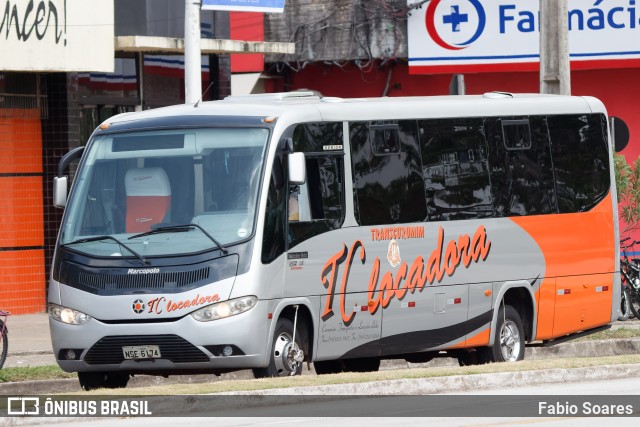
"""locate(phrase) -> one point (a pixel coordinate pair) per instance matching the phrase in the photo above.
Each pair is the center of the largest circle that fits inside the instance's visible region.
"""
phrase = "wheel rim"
(510, 341)
(624, 304)
(283, 355)
(634, 302)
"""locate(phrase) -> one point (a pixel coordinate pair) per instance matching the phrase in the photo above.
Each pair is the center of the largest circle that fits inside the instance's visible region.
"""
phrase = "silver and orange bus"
(465, 226)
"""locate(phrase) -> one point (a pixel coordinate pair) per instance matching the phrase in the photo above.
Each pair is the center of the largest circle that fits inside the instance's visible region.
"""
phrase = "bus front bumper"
(180, 345)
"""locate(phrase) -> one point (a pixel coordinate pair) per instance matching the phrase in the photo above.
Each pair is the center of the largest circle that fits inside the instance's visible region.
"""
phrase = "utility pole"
(192, 53)
(555, 75)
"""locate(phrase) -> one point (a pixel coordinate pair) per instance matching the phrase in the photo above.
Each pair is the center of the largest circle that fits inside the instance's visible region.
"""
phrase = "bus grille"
(109, 349)
(168, 280)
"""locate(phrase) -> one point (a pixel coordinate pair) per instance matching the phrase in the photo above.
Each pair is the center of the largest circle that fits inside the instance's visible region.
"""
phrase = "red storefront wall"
(619, 89)
(247, 26)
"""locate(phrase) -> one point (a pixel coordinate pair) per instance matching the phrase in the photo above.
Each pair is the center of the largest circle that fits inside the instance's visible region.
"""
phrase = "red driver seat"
(148, 198)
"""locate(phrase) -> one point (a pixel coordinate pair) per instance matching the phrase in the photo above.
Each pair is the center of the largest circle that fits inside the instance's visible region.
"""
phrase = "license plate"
(141, 352)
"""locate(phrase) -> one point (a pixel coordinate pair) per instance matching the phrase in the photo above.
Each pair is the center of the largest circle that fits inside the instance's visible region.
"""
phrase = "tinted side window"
(455, 169)
(521, 178)
(384, 138)
(580, 160)
(320, 199)
(389, 187)
(317, 137)
(516, 134)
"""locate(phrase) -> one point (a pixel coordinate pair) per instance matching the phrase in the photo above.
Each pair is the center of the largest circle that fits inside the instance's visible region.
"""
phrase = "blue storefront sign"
(272, 6)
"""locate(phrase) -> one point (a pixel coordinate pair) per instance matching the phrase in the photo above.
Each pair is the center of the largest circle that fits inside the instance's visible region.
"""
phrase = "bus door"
(324, 261)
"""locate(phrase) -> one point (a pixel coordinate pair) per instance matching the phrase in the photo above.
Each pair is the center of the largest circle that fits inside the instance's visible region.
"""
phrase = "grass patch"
(33, 373)
(620, 333)
(345, 378)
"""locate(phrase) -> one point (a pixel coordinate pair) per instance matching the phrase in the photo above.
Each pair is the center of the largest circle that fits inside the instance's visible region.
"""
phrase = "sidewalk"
(30, 343)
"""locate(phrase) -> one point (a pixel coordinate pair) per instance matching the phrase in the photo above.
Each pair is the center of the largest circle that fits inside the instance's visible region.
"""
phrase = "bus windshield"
(136, 191)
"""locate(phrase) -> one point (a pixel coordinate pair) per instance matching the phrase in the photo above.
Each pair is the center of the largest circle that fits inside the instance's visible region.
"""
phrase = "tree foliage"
(628, 186)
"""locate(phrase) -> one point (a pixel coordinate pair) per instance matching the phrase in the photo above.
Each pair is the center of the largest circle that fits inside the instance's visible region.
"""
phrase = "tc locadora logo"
(460, 22)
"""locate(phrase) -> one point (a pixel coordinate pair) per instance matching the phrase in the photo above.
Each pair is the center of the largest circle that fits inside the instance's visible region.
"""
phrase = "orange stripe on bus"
(478, 340)
(582, 245)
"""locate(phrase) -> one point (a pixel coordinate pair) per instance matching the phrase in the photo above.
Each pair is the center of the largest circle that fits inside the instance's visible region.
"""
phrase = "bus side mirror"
(60, 182)
(297, 169)
(620, 133)
(60, 186)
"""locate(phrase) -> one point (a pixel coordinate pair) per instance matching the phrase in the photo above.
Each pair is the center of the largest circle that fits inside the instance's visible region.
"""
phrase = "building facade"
(348, 48)
(51, 105)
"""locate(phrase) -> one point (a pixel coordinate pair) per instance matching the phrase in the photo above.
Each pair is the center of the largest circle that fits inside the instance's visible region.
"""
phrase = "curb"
(242, 403)
(460, 383)
(613, 347)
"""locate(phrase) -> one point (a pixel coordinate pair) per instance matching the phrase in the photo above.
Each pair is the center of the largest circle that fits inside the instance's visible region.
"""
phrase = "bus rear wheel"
(508, 345)
(286, 356)
(94, 380)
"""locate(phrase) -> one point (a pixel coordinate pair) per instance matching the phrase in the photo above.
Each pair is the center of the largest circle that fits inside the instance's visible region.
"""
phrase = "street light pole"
(555, 74)
(192, 53)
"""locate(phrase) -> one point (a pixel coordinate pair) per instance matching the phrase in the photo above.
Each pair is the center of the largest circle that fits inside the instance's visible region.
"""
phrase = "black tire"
(634, 303)
(4, 343)
(508, 345)
(424, 357)
(280, 364)
(328, 367)
(94, 380)
(363, 364)
(625, 305)
(474, 356)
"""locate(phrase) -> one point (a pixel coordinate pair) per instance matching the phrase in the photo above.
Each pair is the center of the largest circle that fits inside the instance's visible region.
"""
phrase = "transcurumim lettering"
(397, 233)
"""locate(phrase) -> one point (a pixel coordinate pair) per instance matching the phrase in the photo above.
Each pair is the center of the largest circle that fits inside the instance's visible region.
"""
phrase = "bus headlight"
(225, 309)
(67, 315)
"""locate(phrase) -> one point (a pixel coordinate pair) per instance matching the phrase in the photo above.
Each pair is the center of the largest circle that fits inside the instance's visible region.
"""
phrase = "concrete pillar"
(192, 53)
(555, 75)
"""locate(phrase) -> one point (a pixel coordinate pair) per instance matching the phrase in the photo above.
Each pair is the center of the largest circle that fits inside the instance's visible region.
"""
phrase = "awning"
(207, 46)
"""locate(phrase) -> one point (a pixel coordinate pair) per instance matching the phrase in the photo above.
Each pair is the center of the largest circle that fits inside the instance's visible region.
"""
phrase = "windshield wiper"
(178, 228)
(105, 237)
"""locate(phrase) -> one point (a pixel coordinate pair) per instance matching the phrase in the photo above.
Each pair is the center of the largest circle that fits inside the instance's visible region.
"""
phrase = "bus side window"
(522, 180)
(580, 160)
(317, 206)
(455, 169)
(387, 172)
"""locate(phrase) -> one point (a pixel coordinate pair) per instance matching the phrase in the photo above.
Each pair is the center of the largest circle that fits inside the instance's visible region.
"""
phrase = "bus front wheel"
(508, 345)
(286, 356)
